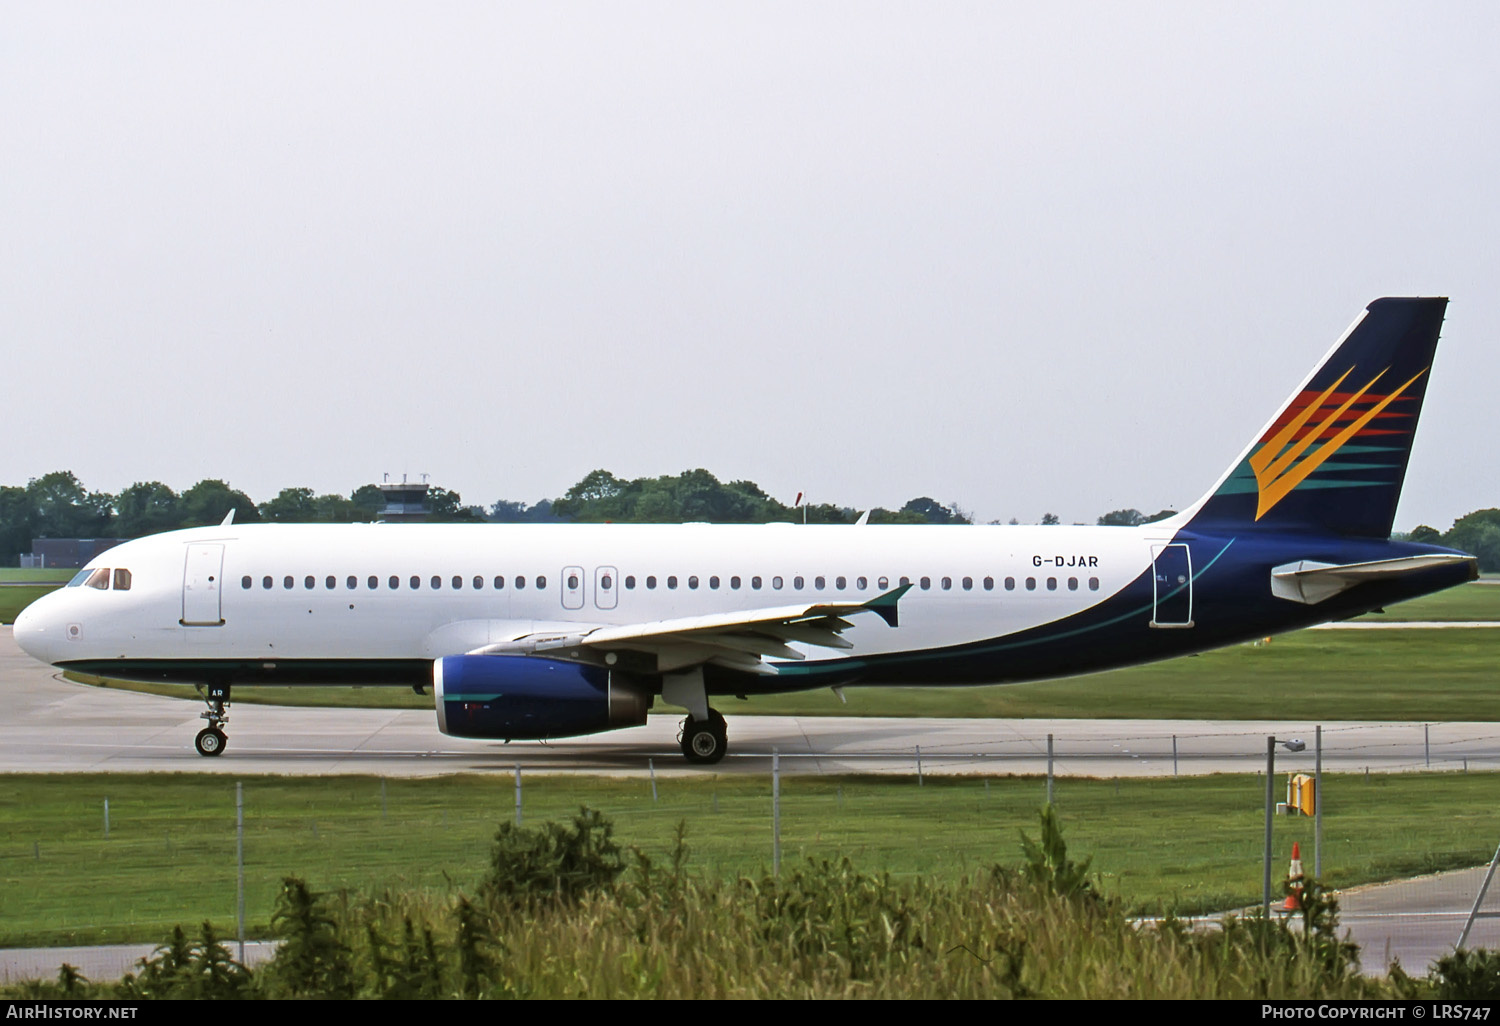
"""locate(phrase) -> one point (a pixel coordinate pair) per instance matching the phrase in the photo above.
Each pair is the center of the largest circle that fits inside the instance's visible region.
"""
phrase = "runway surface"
(51, 725)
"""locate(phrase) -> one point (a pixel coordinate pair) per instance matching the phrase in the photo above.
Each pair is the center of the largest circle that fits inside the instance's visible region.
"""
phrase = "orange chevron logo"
(1285, 460)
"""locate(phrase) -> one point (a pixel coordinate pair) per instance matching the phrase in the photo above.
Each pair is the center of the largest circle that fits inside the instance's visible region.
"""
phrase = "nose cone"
(38, 635)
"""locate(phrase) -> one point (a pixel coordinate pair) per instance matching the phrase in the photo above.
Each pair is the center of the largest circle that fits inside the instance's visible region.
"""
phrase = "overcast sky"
(1026, 257)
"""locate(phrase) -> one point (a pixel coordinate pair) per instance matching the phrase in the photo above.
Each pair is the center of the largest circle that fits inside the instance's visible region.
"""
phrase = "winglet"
(864, 518)
(228, 519)
(884, 606)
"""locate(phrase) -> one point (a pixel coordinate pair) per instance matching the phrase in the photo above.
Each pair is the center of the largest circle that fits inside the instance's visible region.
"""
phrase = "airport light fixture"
(1291, 745)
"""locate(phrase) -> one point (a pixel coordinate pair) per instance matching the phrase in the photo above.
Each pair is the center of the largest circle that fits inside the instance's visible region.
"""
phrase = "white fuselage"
(386, 591)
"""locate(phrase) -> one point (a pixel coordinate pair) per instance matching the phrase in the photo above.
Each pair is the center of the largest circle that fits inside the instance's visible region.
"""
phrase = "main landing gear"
(704, 737)
(704, 741)
(212, 739)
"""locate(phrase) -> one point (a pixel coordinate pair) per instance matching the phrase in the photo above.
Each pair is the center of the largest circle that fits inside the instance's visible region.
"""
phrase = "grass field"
(1193, 844)
(1478, 600)
(20, 588)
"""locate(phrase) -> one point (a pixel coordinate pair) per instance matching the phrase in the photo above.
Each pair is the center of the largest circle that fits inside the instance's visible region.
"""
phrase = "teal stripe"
(794, 669)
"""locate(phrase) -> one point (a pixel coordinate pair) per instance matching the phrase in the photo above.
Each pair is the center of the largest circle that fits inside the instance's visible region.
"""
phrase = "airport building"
(69, 553)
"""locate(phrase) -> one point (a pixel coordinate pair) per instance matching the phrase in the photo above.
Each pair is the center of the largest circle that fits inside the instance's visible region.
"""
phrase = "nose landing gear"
(212, 739)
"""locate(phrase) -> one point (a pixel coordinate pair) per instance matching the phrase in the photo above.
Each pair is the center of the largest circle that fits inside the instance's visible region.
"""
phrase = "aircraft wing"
(741, 640)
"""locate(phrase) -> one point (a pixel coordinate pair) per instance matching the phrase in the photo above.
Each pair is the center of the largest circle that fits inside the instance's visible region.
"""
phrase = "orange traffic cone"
(1293, 901)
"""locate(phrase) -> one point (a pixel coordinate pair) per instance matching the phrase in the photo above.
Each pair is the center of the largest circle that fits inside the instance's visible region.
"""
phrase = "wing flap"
(742, 640)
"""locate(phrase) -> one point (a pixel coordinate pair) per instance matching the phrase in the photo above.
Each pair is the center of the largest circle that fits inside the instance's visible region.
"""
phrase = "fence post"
(775, 812)
(651, 766)
(239, 858)
(919, 765)
(1049, 769)
(518, 795)
(1318, 804)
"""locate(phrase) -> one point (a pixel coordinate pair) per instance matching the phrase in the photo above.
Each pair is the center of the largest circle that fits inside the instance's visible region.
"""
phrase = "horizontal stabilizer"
(1310, 582)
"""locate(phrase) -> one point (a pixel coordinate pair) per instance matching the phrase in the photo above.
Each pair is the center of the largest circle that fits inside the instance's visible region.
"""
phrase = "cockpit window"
(79, 578)
(99, 579)
(122, 580)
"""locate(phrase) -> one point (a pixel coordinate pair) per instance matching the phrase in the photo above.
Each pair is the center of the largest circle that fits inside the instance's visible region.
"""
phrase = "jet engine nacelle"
(521, 697)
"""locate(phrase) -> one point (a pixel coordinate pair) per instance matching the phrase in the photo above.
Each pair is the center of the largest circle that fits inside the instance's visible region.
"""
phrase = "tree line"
(58, 505)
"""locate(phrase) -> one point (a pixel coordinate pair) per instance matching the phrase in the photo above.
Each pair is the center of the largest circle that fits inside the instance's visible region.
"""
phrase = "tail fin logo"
(1294, 450)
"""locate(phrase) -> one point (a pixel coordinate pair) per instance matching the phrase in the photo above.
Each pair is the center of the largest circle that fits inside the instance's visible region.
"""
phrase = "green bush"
(1468, 976)
(553, 861)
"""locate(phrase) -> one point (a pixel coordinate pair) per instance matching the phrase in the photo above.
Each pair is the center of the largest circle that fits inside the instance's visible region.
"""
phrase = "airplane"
(539, 631)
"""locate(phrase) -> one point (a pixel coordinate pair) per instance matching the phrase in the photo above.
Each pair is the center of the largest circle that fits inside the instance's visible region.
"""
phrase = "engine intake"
(524, 698)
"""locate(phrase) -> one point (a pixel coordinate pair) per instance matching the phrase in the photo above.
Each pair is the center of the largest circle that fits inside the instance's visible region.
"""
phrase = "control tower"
(405, 503)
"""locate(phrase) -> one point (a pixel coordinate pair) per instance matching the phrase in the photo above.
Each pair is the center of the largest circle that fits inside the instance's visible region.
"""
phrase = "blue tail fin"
(1334, 458)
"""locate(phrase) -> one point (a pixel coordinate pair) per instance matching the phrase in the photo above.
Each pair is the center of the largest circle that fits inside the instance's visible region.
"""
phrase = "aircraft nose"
(35, 635)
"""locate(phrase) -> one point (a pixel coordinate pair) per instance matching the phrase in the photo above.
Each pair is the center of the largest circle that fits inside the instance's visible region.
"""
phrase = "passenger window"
(394, 582)
(734, 583)
(1031, 584)
(989, 584)
(372, 582)
(122, 580)
(309, 582)
(265, 582)
(244, 581)
(606, 583)
(499, 582)
(861, 583)
(541, 582)
(288, 581)
(1010, 584)
(521, 582)
(630, 582)
(840, 583)
(968, 584)
(437, 582)
(330, 582)
(926, 583)
(572, 582)
(713, 582)
(650, 581)
(693, 581)
(458, 582)
(416, 582)
(478, 583)
(905, 581)
(671, 580)
(947, 584)
(1072, 584)
(755, 583)
(776, 583)
(1052, 584)
(798, 582)
(1093, 584)
(351, 582)
(883, 583)
(819, 583)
